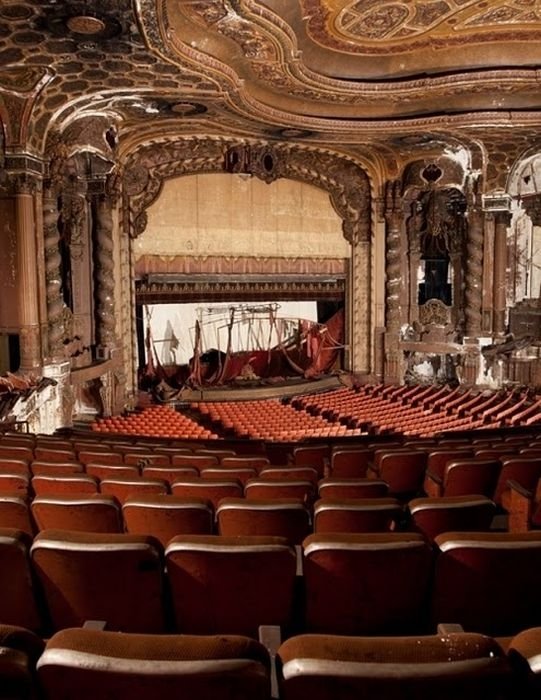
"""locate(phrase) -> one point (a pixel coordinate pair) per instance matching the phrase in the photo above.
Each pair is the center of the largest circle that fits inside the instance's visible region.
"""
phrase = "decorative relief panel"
(371, 23)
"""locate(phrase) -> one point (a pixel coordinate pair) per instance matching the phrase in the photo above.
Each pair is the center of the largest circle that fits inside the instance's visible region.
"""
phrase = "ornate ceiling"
(383, 80)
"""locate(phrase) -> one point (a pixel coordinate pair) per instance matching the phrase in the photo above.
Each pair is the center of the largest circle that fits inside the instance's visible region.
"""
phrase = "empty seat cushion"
(89, 664)
(324, 667)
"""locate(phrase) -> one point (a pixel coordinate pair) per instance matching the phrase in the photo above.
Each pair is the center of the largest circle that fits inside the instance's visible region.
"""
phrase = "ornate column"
(359, 238)
(53, 277)
(473, 279)
(394, 218)
(502, 219)
(27, 275)
(104, 278)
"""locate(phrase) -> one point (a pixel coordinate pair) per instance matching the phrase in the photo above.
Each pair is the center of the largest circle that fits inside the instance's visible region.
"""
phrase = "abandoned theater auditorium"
(270, 349)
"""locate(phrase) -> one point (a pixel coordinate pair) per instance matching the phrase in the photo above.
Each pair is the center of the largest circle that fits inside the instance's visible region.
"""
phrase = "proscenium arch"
(346, 182)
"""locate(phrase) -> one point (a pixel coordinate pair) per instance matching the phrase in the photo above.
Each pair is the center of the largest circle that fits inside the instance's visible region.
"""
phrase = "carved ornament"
(345, 181)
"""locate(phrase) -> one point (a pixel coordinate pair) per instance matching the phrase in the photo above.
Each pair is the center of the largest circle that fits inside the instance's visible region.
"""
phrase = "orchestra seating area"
(373, 409)
(369, 564)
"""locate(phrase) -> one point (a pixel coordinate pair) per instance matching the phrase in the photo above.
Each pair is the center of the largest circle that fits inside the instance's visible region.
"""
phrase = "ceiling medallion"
(82, 21)
(85, 24)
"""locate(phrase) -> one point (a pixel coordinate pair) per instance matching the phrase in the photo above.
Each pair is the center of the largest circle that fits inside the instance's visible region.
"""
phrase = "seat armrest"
(271, 637)
(517, 488)
(433, 485)
(521, 505)
(447, 628)
(99, 625)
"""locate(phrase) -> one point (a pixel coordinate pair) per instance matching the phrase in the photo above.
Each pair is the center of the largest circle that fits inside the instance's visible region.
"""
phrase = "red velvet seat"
(403, 470)
(442, 667)
(356, 515)
(89, 664)
(344, 487)
(278, 517)
(116, 578)
(213, 490)
(18, 603)
(488, 582)
(231, 585)
(82, 513)
(434, 516)
(465, 477)
(165, 516)
(366, 583)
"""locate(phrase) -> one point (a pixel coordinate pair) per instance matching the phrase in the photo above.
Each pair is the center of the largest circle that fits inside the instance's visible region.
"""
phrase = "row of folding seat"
(226, 510)
(88, 663)
(414, 410)
(375, 584)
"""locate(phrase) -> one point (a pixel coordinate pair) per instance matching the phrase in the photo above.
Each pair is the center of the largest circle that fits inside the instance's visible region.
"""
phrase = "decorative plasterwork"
(374, 26)
(269, 49)
(235, 288)
(346, 182)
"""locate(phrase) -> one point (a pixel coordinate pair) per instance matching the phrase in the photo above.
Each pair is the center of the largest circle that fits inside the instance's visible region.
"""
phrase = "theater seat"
(18, 604)
(84, 513)
(116, 578)
(366, 583)
(438, 667)
(488, 582)
(164, 517)
(20, 650)
(90, 664)
(276, 517)
(231, 585)
(356, 514)
(433, 516)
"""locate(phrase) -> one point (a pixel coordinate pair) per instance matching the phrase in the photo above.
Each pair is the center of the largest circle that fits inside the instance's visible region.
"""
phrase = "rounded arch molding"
(144, 171)
(346, 182)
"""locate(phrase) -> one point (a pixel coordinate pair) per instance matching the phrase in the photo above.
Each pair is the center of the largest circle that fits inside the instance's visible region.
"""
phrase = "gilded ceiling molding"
(345, 181)
(19, 87)
(259, 32)
(383, 27)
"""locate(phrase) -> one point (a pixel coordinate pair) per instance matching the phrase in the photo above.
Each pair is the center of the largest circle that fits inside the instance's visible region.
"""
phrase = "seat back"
(465, 477)
(256, 462)
(116, 578)
(296, 473)
(109, 471)
(40, 467)
(20, 650)
(434, 516)
(18, 604)
(15, 513)
(352, 487)
(213, 490)
(403, 470)
(123, 487)
(488, 582)
(279, 517)
(83, 513)
(242, 474)
(231, 585)
(351, 462)
(446, 667)
(302, 489)
(64, 485)
(164, 517)
(525, 470)
(14, 483)
(90, 664)
(356, 515)
(169, 474)
(366, 583)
